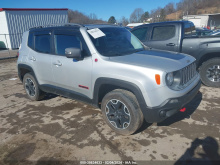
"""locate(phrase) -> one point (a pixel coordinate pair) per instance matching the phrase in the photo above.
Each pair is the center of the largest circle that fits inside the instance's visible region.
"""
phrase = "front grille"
(188, 73)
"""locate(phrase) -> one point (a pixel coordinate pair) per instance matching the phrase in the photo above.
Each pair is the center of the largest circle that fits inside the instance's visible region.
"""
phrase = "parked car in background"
(108, 67)
(180, 36)
(215, 33)
(202, 32)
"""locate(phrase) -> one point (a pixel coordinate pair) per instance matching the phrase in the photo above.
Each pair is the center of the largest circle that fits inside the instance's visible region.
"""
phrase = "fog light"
(173, 101)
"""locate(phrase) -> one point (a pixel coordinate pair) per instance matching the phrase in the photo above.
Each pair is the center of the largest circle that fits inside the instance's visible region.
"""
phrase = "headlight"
(173, 80)
(169, 79)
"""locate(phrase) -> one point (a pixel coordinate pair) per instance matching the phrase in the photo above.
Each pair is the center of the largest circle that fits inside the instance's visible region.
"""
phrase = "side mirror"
(73, 53)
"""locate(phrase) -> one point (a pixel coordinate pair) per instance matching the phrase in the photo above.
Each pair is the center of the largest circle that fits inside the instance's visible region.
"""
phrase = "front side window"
(141, 33)
(66, 41)
(163, 33)
(117, 41)
(42, 43)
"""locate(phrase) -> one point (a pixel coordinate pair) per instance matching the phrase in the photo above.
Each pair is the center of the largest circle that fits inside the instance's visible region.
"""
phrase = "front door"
(69, 74)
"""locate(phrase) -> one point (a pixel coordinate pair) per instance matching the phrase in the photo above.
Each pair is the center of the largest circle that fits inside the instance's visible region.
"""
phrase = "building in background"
(15, 21)
(204, 20)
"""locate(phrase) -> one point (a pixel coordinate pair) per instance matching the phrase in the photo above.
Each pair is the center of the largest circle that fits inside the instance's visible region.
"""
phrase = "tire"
(210, 72)
(32, 88)
(121, 111)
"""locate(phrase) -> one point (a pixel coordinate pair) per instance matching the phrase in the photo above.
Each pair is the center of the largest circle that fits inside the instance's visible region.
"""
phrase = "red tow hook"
(183, 110)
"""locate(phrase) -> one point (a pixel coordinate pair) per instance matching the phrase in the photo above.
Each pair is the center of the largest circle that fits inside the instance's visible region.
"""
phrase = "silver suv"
(108, 67)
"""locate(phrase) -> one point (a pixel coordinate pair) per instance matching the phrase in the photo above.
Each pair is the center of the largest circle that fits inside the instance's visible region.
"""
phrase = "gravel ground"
(59, 130)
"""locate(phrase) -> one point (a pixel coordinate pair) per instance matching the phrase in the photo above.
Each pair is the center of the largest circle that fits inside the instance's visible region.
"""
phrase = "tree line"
(80, 18)
(186, 7)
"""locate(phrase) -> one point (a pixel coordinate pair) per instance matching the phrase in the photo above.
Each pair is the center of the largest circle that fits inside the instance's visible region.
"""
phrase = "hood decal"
(164, 54)
(161, 60)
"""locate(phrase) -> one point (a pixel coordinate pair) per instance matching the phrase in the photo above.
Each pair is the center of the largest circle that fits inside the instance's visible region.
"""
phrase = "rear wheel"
(121, 111)
(210, 72)
(31, 87)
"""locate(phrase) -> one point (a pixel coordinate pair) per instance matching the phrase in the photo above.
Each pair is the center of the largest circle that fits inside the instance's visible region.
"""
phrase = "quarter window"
(163, 33)
(66, 41)
(42, 43)
(30, 40)
(141, 33)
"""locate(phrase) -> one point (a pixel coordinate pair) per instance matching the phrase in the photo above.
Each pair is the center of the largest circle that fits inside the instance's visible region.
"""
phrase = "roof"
(28, 9)
(71, 25)
(161, 23)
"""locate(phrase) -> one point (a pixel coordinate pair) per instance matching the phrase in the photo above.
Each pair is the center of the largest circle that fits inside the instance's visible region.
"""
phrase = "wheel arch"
(23, 69)
(207, 57)
(104, 85)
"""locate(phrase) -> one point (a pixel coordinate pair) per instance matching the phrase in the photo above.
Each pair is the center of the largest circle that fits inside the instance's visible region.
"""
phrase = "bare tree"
(123, 21)
(169, 8)
(135, 16)
(155, 14)
(93, 16)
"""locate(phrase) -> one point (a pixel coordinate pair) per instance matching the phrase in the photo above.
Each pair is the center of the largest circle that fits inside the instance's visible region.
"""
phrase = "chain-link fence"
(9, 44)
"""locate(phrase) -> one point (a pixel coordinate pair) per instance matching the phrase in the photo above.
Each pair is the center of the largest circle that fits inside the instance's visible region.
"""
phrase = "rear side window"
(163, 33)
(141, 33)
(42, 43)
(66, 41)
(31, 40)
(189, 30)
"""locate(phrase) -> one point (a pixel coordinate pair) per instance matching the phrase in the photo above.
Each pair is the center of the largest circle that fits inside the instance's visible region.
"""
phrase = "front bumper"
(170, 106)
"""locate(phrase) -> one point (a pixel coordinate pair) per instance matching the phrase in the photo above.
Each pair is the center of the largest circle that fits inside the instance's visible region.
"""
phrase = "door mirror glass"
(73, 53)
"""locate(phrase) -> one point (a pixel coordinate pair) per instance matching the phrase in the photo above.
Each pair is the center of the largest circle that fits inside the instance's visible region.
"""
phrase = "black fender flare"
(24, 66)
(121, 84)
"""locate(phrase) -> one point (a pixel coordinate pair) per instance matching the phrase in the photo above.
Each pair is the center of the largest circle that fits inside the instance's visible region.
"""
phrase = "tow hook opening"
(162, 113)
(183, 109)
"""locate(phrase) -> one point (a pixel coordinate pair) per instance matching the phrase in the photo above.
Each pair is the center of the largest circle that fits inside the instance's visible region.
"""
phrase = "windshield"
(117, 41)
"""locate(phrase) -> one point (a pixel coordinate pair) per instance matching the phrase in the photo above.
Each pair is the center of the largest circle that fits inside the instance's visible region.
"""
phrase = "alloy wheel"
(118, 114)
(30, 87)
(213, 73)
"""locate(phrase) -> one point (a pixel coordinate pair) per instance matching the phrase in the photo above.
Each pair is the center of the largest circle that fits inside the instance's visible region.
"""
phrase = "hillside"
(179, 14)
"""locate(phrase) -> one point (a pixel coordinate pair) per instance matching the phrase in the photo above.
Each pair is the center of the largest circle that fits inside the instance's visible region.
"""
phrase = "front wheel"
(121, 112)
(210, 72)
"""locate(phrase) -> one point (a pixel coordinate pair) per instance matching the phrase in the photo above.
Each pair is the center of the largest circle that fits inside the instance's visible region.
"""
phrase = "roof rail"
(54, 25)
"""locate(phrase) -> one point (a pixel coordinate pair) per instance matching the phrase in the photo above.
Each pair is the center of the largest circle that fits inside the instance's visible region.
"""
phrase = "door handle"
(32, 58)
(58, 63)
(171, 44)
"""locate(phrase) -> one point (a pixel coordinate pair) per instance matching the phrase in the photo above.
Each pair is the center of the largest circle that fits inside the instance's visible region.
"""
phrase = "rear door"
(69, 74)
(164, 37)
(40, 55)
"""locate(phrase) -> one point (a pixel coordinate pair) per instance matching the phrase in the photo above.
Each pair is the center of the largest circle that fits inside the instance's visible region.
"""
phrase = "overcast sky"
(102, 8)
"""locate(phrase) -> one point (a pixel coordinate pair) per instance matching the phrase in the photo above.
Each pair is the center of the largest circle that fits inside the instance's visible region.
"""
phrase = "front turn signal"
(157, 78)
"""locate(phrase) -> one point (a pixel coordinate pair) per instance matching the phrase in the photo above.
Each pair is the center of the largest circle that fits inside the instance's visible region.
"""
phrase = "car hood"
(155, 59)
